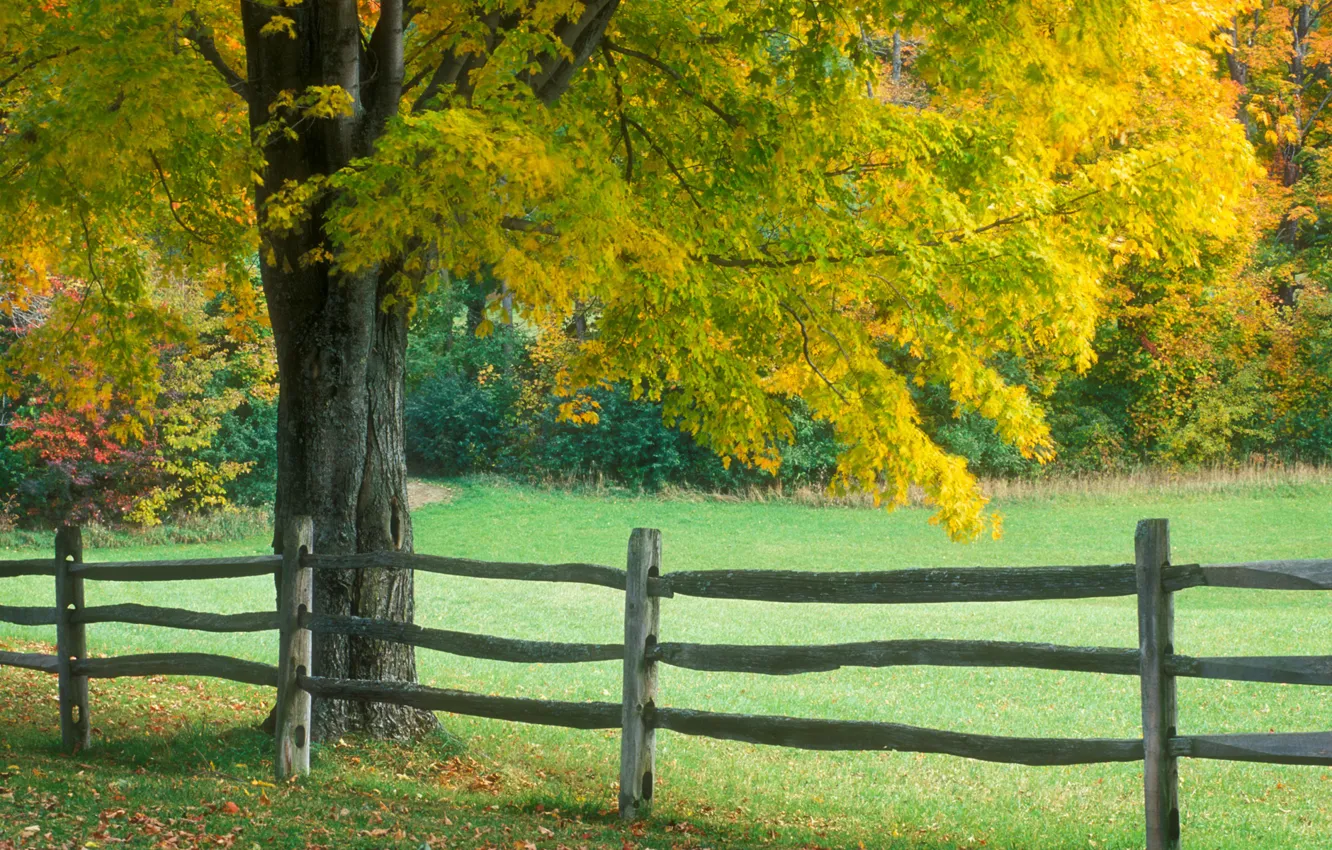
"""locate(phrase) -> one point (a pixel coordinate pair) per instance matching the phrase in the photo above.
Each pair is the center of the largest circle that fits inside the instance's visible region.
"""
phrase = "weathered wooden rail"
(1152, 579)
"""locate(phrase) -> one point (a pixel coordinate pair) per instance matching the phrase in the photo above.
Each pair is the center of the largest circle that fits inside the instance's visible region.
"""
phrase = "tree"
(1279, 55)
(721, 193)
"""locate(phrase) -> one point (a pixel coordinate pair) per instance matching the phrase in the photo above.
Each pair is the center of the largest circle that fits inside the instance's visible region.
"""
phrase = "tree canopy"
(738, 194)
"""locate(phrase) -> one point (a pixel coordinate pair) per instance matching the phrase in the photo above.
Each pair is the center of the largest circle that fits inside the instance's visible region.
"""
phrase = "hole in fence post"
(300, 736)
(647, 786)
(1174, 825)
(75, 713)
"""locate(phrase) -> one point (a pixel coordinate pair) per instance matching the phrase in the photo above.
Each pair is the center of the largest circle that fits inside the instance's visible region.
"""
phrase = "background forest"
(1225, 363)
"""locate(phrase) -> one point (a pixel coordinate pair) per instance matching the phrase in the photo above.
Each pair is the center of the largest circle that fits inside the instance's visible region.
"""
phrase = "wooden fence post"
(1156, 642)
(295, 596)
(71, 641)
(641, 616)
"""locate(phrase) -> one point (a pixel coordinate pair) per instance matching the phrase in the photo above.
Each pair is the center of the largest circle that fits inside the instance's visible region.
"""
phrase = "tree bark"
(384, 523)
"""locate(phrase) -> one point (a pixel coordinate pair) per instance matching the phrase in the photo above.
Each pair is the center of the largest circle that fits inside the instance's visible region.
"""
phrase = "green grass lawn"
(713, 793)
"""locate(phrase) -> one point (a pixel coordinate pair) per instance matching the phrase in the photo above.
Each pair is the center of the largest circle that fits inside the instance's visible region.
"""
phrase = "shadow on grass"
(360, 794)
(176, 758)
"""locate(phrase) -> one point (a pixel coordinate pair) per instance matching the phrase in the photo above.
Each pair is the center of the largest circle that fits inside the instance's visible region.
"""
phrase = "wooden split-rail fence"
(1153, 579)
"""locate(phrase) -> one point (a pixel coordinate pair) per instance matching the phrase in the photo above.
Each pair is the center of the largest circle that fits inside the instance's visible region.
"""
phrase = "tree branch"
(581, 37)
(804, 335)
(87, 289)
(450, 68)
(857, 167)
(911, 308)
(203, 42)
(661, 153)
(171, 202)
(33, 64)
(832, 336)
(619, 106)
(386, 84)
(731, 120)
(420, 51)
(522, 225)
(947, 236)
(792, 262)
(1308, 125)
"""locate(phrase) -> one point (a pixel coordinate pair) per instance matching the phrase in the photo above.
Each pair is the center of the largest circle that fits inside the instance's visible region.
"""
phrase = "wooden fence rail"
(463, 643)
(1153, 579)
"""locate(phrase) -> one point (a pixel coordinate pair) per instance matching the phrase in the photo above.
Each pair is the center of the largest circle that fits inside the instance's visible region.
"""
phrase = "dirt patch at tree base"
(421, 493)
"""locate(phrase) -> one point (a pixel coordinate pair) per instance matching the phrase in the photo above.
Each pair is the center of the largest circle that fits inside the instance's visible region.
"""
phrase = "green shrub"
(455, 426)
(974, 438)
(811, 458)
(628, 445)
(15, 465)
(1304, 431)
(461, 413)
(248, 434)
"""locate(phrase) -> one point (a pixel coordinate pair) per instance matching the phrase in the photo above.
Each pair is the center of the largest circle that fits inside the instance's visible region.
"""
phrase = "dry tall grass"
(1163, 481)
(1141, 482)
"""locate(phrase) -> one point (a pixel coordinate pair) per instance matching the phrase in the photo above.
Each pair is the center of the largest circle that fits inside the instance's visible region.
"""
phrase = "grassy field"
(186, 748)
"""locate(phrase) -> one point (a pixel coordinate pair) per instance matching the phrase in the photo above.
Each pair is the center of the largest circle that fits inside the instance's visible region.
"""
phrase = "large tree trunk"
(341, 351)
(341, 371)
(342, 461)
